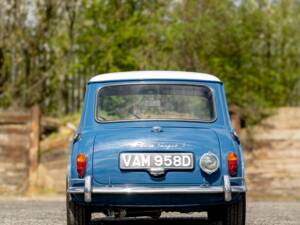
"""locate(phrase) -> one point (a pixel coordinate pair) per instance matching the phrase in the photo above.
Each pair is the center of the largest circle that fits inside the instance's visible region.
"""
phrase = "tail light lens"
(232, 163)
(81, 164)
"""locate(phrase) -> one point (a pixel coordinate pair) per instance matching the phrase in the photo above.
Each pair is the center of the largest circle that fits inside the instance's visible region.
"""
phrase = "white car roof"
(154, 75)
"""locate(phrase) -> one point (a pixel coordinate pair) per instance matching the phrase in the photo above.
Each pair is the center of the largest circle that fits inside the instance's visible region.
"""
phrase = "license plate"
(138, 161)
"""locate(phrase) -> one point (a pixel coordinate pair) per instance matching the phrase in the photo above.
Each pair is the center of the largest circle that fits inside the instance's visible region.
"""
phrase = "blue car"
(154, 141)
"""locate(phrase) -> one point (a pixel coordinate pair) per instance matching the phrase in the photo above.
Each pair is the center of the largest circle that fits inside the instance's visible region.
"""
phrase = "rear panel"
(103, 143)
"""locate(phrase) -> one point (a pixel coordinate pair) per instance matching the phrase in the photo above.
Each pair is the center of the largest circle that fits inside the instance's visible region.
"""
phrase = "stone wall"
(16, 138)
(273, 165)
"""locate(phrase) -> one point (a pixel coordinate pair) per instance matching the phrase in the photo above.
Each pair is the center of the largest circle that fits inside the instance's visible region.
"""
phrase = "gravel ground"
(52, 212)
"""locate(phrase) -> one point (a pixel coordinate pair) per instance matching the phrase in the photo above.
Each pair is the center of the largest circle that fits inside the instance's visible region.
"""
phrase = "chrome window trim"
(149, 120)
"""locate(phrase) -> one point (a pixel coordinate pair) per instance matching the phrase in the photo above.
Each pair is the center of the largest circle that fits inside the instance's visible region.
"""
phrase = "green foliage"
(112, 31)
(253, 47)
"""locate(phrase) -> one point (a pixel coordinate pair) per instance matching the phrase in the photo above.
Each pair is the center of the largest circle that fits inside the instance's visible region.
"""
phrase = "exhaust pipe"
(121, 213)
(115, 213)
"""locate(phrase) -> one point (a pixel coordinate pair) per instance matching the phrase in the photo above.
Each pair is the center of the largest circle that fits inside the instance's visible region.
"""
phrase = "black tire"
(77, 214)
(155, 215)
(234, 214)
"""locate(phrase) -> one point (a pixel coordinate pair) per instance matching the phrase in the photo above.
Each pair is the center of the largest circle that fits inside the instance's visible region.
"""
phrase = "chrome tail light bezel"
(205, 169)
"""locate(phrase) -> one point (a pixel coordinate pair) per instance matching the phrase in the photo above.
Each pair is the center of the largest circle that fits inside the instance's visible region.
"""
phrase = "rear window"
(155, 102)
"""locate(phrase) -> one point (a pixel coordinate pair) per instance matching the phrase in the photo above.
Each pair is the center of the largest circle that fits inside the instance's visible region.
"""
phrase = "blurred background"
(49, 49)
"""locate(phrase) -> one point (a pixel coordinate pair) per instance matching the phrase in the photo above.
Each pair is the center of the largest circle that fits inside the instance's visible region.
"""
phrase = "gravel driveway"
(52, 212)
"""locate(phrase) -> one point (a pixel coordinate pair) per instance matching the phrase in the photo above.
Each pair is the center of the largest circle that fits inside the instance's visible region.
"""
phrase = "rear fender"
(227, 145)
(83, 145)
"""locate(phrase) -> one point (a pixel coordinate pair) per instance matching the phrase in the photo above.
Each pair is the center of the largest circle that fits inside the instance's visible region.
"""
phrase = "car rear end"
(155, 145)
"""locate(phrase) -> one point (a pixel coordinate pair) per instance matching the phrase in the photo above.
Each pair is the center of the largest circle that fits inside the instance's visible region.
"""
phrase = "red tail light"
(232, 163)
(81, 164)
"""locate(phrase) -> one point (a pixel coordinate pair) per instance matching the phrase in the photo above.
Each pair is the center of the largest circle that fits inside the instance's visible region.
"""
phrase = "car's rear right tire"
(77, 214)
(233, 214)
(155, 215)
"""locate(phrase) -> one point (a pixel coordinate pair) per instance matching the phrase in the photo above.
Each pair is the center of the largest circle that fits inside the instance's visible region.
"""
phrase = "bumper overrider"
(227, 189)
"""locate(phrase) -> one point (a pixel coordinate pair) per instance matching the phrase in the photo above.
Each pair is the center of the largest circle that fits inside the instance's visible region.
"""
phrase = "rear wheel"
(77, 214)
(155, 215)
(234, 214)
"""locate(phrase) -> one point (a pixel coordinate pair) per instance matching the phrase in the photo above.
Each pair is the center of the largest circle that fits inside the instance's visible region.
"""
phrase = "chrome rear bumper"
(227, 189)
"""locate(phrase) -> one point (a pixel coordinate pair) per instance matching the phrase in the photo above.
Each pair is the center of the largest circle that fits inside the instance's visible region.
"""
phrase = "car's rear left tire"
(77, 214)
(233, 214)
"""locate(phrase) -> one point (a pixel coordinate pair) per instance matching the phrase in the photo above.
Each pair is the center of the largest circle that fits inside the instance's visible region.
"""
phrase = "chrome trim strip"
(227, 188)
(154, 190)
(242, 179)
(88, 189)
(75, 190)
